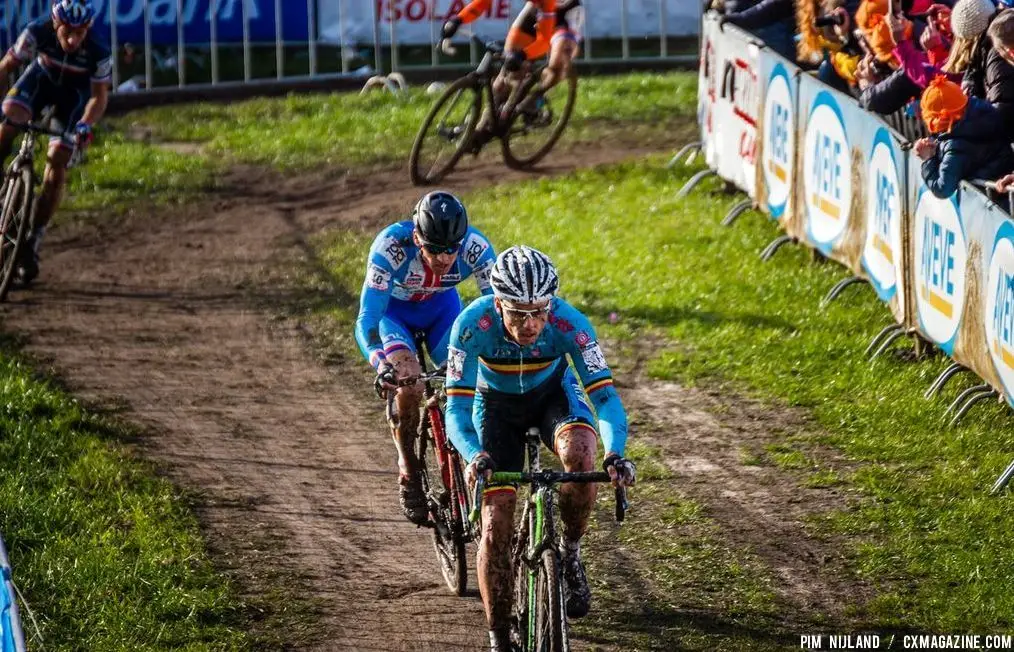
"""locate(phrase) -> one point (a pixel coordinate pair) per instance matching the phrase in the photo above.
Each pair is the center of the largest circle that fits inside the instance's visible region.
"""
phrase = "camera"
(829, 21)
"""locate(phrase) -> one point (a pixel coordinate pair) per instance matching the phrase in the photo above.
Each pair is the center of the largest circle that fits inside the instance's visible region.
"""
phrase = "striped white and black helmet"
(524, 275)
(75, 13)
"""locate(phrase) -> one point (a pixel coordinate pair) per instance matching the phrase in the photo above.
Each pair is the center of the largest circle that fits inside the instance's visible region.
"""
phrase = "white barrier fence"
(842, 181)
(169, 43)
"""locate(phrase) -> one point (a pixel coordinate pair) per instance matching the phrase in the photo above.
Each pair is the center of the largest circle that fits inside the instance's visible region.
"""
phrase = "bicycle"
(539, 613)
(511, 125)
(18, 196)
(443, 478)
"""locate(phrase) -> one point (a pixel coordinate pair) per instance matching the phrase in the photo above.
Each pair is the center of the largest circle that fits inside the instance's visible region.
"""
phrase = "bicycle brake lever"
(621, 503)
(480, 486)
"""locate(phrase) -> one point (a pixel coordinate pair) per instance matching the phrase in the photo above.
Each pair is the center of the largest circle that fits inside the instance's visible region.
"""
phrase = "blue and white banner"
(163, 19)
(777, 180)
(12, 638)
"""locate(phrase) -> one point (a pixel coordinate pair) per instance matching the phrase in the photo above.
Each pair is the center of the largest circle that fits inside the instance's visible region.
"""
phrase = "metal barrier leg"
(1004, 478)
(690, 148)
(887, 330)
(969, 404)
(694, 180)
(839, 288)
(963, 396)
(736, 211)
(775, 245)
(938, 385)
(888, 341)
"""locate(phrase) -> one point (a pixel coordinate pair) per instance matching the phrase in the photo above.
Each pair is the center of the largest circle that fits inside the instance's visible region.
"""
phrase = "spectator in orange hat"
(964, 144)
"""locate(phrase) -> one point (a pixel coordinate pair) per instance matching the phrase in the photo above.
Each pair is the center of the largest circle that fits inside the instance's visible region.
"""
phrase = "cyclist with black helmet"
(69, 67)
(411, 275)
(507, 371)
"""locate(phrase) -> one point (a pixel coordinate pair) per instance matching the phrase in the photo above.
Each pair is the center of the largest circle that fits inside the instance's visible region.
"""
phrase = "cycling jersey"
(532, 30)
(400, 293)
(480, 355)
(92, 62)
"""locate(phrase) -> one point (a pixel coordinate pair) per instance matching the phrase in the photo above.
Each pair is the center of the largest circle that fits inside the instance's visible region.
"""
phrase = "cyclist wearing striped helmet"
(507, 371)
(68, 67)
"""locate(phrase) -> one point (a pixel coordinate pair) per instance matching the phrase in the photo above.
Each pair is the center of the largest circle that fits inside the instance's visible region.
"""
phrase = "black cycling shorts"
(504, 419)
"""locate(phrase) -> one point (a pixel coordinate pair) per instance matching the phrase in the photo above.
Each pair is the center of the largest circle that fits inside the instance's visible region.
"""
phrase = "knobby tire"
(516, 160)
(15, 214)
(466, 84)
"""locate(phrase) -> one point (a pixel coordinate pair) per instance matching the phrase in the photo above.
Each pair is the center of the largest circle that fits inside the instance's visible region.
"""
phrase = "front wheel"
(446, 132)
(15, 215)
(538, 123)
(448, 540)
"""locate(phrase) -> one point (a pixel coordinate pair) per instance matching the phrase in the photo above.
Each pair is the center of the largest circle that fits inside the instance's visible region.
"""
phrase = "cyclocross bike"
(539, 611)
(17, 194)
(443, 477)
(527, 136)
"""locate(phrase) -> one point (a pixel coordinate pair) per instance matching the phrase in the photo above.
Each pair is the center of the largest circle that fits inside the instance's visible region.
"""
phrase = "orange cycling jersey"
(532, 30)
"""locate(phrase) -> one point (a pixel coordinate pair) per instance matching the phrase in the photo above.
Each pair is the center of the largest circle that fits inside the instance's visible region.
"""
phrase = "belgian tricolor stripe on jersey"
(460, 391)
(518, 366)
(602, 383)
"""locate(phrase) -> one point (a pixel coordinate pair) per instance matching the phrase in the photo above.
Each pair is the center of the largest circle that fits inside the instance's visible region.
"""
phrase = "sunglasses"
(523, 315)
(440, 249)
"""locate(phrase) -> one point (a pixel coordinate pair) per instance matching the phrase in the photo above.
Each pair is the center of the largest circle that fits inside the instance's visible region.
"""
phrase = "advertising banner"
(12, 638)
(777, 145)
(707, 87)
(735, 108)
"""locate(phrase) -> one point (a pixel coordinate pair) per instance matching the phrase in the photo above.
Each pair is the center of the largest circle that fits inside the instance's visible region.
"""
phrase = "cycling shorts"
(434, 317)
(35, 90)
(503, 419)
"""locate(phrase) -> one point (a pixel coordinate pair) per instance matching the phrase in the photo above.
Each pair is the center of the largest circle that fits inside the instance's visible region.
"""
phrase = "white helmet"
(524, 275)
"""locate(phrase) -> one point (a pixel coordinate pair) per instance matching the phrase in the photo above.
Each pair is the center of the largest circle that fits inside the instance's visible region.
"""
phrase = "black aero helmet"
(440, 219)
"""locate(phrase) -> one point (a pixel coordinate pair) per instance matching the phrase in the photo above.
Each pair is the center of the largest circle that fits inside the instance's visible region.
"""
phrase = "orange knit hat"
(942, 104)
(867, 10)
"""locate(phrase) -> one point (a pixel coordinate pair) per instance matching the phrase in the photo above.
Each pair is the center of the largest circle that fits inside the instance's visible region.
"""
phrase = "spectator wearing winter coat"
(992, 76)
(772, 21)
(964, 143)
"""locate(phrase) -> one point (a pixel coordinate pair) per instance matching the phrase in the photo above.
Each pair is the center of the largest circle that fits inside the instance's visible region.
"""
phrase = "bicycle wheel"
(532, 134)
(446, 132)
(448, 540)
(550, 614)
(15, 213)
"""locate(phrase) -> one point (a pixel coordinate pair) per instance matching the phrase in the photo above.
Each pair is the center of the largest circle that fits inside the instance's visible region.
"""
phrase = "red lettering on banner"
(503, 9)
(748, 146)
(415, 11)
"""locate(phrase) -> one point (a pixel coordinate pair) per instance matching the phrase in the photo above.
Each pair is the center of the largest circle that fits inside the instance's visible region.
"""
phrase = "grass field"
(925, 534)
(108, 556)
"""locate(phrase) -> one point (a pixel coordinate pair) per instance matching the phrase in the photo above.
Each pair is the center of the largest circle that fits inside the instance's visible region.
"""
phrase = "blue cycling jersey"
(396, 276)
(92, 62)
(481, 355)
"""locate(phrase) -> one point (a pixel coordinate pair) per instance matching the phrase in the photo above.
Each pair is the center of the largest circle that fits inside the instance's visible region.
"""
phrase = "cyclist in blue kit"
(412, 272)
(507, 371)
(70, 68)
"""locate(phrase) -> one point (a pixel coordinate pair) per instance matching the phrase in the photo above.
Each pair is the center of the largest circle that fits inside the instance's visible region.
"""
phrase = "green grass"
(926, 535)
(108, 556)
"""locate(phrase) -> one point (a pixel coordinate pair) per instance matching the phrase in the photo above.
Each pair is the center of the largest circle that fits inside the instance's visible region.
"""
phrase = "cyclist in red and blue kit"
(411, 276)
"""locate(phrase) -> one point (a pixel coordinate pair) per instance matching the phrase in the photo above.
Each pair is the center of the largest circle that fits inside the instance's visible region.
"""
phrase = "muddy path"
(172, 322)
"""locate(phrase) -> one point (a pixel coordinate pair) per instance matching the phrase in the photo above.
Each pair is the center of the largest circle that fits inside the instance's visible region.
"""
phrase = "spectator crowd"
(949, 64)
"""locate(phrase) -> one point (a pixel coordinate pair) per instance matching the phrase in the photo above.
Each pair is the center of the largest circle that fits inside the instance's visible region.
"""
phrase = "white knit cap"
(971, 17)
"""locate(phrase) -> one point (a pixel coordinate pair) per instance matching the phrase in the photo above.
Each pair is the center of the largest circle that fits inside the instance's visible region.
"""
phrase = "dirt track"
(172, 322)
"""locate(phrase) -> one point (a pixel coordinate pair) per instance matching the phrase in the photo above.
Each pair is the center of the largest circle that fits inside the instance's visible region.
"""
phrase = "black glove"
(385, 374)
(514, 60)
(450, 27)
(626, 471)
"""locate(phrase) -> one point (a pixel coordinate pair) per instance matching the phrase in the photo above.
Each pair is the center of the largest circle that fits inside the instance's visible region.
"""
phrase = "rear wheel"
(446, 132)
(15, 215)
(534, 130)
(448, 540)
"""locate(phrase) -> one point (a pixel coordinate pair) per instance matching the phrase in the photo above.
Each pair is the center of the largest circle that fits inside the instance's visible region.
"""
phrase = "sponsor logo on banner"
(1000, 306)
(940, 256)
(779, 141)
(744, 107)
(882, 252)
(827, 179)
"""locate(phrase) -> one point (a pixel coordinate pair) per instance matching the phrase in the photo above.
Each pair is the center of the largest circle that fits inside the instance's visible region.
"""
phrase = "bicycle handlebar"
(36, 128)
(547, 478)
(437, 376)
